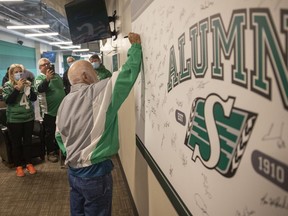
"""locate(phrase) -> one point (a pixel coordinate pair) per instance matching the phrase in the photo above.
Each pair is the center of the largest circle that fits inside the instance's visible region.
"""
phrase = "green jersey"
(19, 107)
(50, 94)
(102, 72)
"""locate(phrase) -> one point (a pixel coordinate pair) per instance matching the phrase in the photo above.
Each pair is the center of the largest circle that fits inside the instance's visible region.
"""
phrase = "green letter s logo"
(213, 135)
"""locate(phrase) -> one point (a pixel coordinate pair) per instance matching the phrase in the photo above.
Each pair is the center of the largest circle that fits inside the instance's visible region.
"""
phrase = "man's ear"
(85, 78)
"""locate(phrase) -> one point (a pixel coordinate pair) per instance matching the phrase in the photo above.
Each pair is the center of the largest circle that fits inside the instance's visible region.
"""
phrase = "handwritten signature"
(206, 4)
(206, 186)
(278, 138)
(277, 202)
(201, 204)
(245, 212)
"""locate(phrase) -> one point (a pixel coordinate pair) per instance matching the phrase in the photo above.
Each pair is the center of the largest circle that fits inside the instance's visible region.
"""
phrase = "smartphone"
(52, 68)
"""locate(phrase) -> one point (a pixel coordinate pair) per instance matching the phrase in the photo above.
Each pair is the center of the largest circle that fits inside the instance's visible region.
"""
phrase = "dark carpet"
(47, 192)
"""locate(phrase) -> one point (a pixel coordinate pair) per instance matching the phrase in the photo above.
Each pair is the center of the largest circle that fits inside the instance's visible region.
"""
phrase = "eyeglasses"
(45, 64)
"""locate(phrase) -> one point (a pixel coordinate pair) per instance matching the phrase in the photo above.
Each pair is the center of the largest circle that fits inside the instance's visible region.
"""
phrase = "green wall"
(11, 53)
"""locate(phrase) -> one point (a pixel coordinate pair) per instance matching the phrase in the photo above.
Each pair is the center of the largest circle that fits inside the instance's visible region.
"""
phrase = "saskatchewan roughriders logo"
(218, 133)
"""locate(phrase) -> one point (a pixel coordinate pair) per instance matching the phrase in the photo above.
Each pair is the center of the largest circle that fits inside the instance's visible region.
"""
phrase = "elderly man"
(49, 86)
(87, 127)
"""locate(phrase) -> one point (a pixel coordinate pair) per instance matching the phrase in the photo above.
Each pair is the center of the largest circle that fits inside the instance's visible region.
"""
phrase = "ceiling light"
(61, 42)
(42, 34)
(28, 26)
(10, 0)
(70, 47)
(80, 50)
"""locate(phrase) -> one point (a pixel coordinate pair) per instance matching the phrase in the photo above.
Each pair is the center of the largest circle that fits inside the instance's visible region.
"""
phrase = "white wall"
(39, 48)
(222, 179)
(13, 39)
(193, 86)
(147, 193)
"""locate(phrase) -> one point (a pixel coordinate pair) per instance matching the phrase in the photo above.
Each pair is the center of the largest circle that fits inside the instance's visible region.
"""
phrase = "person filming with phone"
(18, 93)
(50, 88)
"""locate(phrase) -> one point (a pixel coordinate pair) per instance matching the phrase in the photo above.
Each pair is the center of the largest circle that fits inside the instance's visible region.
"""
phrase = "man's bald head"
(81, 71)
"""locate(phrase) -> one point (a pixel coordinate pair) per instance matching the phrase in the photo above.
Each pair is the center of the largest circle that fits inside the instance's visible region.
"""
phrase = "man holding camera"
(50, 88)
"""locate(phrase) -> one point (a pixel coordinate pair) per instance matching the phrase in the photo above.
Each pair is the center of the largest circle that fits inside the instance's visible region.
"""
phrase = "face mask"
(69, 64)
(95, 65)
(18, 76)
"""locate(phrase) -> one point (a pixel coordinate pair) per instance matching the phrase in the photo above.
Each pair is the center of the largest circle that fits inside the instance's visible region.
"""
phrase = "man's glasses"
(45, 64)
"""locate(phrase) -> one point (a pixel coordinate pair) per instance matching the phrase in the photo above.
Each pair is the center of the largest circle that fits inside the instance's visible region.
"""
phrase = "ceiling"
(35, 12)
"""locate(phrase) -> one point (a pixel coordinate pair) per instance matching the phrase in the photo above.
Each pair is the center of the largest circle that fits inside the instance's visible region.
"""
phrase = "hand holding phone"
(50, 72)
(52, 68)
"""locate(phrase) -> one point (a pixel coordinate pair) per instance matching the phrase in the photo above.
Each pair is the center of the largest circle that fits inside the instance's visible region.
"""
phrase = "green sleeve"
(127, 76)
(38, 80)
(7, 90)
(60, 143)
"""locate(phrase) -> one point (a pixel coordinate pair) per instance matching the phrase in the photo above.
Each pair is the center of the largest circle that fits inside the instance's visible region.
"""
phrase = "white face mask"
(18, 76)
(95, 65)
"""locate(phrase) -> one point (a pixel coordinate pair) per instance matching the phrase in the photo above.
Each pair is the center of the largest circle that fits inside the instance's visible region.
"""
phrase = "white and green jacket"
(87, 122)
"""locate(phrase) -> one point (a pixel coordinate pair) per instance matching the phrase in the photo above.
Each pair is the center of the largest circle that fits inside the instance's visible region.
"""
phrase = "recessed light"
(27, 26)
(42, 34)
(61, 43)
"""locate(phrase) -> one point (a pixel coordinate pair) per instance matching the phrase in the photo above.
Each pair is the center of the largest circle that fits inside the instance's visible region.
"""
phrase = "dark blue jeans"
(91, 196)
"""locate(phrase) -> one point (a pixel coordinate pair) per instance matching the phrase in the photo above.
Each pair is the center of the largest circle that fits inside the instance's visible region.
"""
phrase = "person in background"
(101, 71)
(66, 82)
(50, 88)
(18, 93)
(87, 130)
(6, 77)
(28, 75)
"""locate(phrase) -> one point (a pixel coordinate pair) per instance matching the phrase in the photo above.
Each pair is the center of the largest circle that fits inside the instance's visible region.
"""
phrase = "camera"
(52, 68)
(20, 42)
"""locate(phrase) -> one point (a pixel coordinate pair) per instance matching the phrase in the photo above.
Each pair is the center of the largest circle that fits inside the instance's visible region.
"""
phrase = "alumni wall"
(212, 102)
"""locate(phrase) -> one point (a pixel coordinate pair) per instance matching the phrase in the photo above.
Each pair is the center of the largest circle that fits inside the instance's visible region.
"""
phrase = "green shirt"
(21, 110)
(102, 72)
(50, 94)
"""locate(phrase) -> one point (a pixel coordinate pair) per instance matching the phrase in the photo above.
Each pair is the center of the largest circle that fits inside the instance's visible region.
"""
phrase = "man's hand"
(49, 74)
(134, 38)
